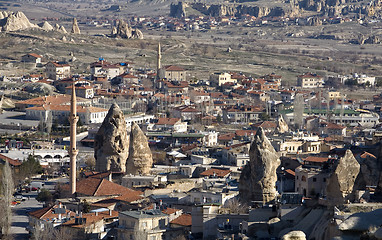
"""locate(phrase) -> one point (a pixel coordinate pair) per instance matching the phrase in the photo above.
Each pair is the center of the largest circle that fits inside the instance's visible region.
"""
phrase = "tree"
(235, 206)
(7, 189)
(90, 162)
(219, 118)
(44, 196)
(30, 167)
(85, 206)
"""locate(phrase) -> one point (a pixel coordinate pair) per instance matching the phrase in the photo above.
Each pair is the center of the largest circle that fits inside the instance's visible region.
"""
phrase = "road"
(20, 216)
(20, 212)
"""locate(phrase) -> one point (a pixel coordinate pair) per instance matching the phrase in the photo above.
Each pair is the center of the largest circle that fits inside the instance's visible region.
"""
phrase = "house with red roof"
(57, 70)
(173, 72)
(54, 216)
(91, 225)
(31, 58)
(186, 113)
(168, 124)
(127, 78)
(310, 80)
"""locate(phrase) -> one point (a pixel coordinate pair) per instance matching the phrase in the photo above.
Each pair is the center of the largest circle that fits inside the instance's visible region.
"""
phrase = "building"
(84, 91)
(60, 113)
(219, 79)
(57, 70)
(31, 58)
(310, 80)
(94, 225)
(169, 124)
(236, 155)
(133, 181)
(186, 113)
(104, 69)
(60, 99)
(54, 216)
(147, 224)
(241, 115)
(127, 78)
(310, 181)
(176, 73)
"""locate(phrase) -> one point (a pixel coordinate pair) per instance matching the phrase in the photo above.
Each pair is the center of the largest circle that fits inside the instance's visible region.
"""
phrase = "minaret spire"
(73, 119)
(159, 57)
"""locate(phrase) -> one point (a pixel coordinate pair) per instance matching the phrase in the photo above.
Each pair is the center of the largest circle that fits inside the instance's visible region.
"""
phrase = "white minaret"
(73, 119)
(159, 57)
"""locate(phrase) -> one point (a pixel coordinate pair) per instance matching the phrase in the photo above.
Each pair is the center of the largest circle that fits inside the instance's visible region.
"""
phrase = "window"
(314, 179)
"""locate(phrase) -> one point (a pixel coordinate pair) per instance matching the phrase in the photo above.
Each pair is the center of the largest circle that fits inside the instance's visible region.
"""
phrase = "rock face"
(178, 10)
(258, 178)
(111, 142)
(75, 28)
(282, 126)
(124, 30)
(137, 34)
(140, 158)
(59, 28)
(340, 186)
(294, 235)
(10, 21)
(46, 26)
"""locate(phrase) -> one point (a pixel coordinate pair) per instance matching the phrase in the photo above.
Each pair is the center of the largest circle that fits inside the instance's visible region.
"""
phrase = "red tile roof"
(11, 161)
(183, 220)
(49, 213)
(291, 172)
(102, 187)
(167, 121)
(91, 218)
(34, 55)
(316, 159)
(215, 172)
(173, 68)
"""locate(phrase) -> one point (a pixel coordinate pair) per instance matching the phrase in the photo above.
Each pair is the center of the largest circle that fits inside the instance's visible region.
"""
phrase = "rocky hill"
(10, 21)
(292, 8)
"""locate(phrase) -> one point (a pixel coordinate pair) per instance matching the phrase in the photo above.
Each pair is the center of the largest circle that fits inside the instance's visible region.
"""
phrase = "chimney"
(96, 213)
(110, 213)
(154, 206)
(60, 205)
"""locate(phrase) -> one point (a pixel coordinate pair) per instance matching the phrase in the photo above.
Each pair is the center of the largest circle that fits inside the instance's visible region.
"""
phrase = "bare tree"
(298, 111)
(236, 206)
(7, 188)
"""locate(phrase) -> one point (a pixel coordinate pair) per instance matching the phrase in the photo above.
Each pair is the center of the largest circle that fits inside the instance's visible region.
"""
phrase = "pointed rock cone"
(340, 186)
(111, 142)
(140, 158)
(258, 178)
(75, 28)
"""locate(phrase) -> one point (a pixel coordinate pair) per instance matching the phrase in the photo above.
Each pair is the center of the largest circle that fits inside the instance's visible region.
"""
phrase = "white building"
(56, 70)
(218, 79)
(60, 113)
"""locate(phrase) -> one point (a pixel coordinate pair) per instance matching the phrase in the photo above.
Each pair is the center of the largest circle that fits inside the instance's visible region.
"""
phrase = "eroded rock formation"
(258, 178)
(124, 30)
(59, 28)
(340, 187)
(10, 21)
(111, 142)
(294, 235)
(140, 159)
(75, 28)
(46, 26)
(282, 126)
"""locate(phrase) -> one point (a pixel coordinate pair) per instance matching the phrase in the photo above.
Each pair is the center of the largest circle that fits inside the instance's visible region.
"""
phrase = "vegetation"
(7, 189)
(44, 196)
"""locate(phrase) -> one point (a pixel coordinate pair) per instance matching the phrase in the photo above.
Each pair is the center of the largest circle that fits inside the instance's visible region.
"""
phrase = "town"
(126, 151)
